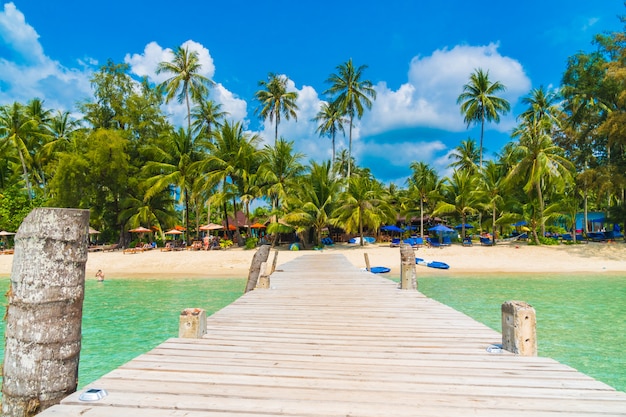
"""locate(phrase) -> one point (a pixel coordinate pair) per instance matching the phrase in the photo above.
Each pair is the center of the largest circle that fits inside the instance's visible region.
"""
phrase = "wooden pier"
(329, 340)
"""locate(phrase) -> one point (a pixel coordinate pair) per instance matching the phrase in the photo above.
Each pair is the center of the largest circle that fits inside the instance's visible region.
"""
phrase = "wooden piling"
(367, 261)
(44, 312)
(274, 262)
(259, 257)
(264, 278)
(408, 276)
(192, 323)
(519, 328)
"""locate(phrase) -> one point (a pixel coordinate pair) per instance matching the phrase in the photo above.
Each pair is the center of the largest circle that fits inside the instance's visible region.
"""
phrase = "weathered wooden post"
(367, 261)
(44, 312)
(519, 328)
(274, 262)
(408, 276)
(192, 323)
(264, 278)
(259, 257)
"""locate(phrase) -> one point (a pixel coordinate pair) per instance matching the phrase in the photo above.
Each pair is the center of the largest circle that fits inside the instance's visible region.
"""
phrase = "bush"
(226, 243)
(251, 242)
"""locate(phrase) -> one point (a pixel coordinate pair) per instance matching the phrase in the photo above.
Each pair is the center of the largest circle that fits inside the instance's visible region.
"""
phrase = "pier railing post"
(192, 323)
(367, 261)
(408, 276)
(519, 328)
(44, 312)
(259, 257)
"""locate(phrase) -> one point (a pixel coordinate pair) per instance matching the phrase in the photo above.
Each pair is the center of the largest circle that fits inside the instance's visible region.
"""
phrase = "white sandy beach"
(235, 262)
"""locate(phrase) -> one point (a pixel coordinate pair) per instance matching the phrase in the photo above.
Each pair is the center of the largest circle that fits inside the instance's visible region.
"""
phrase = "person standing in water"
(100, 275)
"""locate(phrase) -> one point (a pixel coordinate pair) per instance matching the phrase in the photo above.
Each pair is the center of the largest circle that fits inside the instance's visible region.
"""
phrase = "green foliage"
(226, 243)
(14, 207)
(251, 242)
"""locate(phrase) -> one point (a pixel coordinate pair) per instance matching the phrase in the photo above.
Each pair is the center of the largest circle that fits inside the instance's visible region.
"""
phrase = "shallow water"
(580, 318)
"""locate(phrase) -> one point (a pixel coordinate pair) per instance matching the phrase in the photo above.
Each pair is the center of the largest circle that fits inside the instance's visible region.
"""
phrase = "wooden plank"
(329, 340)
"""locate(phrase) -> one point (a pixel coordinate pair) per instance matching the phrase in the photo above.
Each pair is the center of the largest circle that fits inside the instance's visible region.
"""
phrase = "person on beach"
(100, 275)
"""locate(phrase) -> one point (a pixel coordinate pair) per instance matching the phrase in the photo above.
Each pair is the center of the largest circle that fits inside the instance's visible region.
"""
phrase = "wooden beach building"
(329, 340)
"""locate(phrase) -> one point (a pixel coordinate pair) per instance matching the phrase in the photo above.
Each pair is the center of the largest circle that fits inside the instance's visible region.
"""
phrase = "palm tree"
(207, 114)
(541, 108)
(460, 197)
(314, 201)
(541, 163)
(275, 100)
(493, 189)
(480, 104)
(186, 81)
(362, 204)
(174, 167)
(422, 183)
(352, 94)
(230, 154)
(16, 127)
(330, 122)
(466, 156)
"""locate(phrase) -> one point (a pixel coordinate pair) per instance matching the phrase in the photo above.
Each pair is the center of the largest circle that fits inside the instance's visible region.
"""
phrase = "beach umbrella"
(5, 233)
(174, 232)
(140, 229)
(257, 226)
(211, 226)
(460, 226)
(440, 228)
(391, 228)
(520, 223)
(93, 231)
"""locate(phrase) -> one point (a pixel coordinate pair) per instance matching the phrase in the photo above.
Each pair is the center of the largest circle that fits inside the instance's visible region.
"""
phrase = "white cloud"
(428, 98)
(28, 73)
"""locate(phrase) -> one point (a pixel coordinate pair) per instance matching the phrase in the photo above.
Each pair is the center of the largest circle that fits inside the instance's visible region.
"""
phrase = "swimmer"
(100, 275)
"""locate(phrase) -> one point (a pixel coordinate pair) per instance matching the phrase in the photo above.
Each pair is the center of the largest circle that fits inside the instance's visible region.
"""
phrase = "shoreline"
(601, 258)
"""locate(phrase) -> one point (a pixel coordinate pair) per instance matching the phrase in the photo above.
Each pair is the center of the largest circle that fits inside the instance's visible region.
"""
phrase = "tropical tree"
(480, 104)
(541, 163)
(460, 196)
(229, 155)
(186, 81)
(172, 168)
(542, 108)
(351, 95)
(330, 122)
(466, 156)
(207, 115)
(422, 183)
(314, 200)
(16, 128)
(362, 204)
(275, 100)
(493, 191)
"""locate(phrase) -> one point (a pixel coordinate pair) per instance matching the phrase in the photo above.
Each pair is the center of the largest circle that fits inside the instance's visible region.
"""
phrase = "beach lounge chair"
(467, 241)
(485, 241)
(596, 236)
(433, 243)
(395, 242)
(446, 241)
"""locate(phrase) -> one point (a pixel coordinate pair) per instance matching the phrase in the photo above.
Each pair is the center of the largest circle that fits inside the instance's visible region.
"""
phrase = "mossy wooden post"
(192, 323)
(44, 312)
(519, 328)
(408, 276)
(259, 257)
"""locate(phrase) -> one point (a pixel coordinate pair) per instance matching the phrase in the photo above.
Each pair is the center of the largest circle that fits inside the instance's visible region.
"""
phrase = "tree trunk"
(44, 313)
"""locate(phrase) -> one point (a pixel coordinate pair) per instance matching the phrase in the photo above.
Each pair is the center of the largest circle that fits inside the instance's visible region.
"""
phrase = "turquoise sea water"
(580, 318)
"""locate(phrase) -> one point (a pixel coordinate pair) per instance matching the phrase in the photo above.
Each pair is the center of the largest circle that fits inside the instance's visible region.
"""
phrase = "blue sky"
(419, 55)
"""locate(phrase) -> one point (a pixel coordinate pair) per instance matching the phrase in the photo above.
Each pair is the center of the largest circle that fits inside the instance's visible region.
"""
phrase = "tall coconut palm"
(229, 155)
(186, 82)
(207, 115)
(362, 204)
(351, 95)
(466, 156)
(16, 127)
(542, 108)
(480, 104)
(174, 167)
(494, 190)
(330, 122)
(541, 163)
(422, 183)
(460, 196)
(275, 100)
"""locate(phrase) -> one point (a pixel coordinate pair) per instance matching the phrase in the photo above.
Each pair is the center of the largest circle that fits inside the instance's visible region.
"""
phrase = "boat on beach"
(431, 264)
